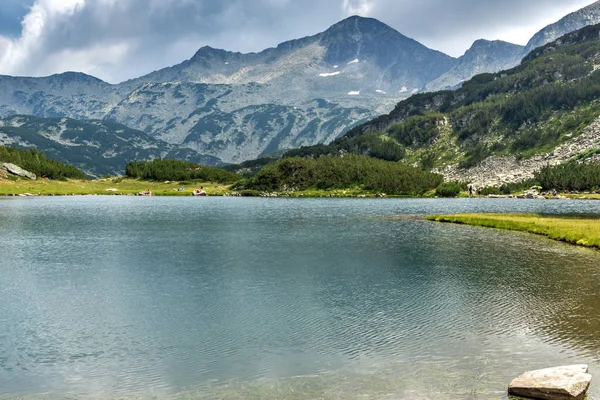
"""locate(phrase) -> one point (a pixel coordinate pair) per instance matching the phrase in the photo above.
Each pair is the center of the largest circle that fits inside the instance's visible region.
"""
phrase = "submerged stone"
(560, 383)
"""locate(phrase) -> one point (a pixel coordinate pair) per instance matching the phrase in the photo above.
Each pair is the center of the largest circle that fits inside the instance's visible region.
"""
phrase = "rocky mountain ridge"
(483, 57)
(238, 106)
(586, 16)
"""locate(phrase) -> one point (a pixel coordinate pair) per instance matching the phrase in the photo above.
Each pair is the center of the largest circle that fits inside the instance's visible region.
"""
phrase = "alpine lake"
(258, 298)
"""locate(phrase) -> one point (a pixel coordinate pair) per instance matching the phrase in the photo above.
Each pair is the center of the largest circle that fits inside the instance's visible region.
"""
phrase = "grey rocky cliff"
(483, 57)
(589, 15)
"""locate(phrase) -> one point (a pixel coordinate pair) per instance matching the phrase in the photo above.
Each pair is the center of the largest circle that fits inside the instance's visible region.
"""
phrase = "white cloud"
(91, 60)
(42, 15)
(357, 7)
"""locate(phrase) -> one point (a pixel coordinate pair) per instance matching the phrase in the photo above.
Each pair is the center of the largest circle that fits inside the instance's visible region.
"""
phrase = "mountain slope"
(239, 106)
(586, 16)
(364, 53)
(528, 111)
(96, 147)
(483, 57)
(71, 94)
(303, 92)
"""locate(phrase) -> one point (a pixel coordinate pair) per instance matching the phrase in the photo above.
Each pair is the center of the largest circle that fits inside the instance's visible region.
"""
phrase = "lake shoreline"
(133, 187)
(583, 232)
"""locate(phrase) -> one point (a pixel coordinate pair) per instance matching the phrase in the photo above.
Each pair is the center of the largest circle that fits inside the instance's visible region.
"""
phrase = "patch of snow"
(330, 74)
(381, 91)
(336, 66)
(355, 61)
(404, 89)
(415, 91)
(226, 62)
(354, 93)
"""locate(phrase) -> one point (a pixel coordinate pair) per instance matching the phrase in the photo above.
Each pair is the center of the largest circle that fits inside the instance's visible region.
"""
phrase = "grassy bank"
(579, 231)
(126, 186)
(116, 186)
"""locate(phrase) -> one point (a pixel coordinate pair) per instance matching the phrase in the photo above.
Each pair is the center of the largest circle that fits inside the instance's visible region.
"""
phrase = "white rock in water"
(561, 383)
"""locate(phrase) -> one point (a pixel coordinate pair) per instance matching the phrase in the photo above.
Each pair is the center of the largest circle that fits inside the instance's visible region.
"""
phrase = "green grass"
(126, 186)
(100, 187)
(573, 230)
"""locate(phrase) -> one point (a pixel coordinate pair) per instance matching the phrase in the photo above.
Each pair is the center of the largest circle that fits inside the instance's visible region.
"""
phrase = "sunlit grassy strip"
(105, 187)
(132, 186)
(579, 231)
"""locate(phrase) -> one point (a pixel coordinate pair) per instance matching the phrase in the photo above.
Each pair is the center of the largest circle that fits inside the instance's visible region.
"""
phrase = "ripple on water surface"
(277, 298)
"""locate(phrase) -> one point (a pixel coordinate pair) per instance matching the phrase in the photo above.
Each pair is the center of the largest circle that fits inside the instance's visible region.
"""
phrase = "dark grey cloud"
(121, 39)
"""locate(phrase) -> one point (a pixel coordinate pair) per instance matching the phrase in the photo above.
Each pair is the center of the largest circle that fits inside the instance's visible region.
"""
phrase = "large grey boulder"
(561, 383)
(16, 170)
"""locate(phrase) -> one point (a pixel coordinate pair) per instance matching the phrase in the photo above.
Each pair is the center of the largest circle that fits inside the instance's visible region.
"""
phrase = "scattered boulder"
(18, 171)
(560, 383)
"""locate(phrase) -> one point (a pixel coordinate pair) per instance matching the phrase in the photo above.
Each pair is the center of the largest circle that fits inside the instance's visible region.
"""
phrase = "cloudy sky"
(121, 39)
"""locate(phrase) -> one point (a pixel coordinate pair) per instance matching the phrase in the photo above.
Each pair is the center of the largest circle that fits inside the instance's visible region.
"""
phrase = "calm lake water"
(229, 298)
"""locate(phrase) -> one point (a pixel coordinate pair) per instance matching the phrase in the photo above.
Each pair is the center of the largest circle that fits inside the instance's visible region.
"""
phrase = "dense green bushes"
(372, 144)
(292, 174)
(570, 176)
(34, 161)
(177, 170)
(490, 190)
(448, 189)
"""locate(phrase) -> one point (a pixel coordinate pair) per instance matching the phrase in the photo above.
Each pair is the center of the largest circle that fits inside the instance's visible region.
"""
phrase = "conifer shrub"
(448, 189)
(329, 172)
(177, 170)
(573, 176)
